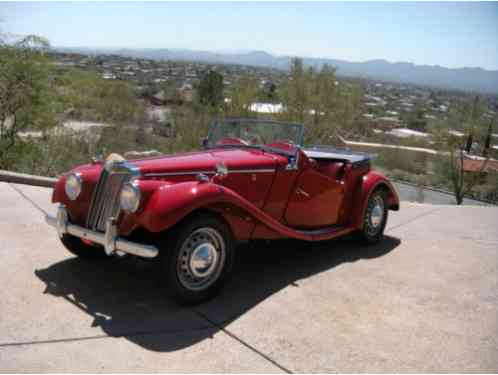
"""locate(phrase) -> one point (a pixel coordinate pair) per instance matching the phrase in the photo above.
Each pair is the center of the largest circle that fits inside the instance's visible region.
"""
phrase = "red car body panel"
(259, 198)
(315, 201)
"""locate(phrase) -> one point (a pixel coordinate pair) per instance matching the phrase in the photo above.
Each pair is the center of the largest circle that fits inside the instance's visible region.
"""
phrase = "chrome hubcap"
(376, 215)
(201, 259)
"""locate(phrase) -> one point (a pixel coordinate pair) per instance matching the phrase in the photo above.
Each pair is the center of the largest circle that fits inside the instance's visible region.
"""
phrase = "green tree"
(26, 95)
(318, 100)
(296, 91)
(416, 119)
(92, 98)
(211, 89)
(244, 93)
(324, 94)
(348, 109)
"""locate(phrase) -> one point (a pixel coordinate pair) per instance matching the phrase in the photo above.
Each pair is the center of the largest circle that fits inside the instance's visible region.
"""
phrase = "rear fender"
(371, 182)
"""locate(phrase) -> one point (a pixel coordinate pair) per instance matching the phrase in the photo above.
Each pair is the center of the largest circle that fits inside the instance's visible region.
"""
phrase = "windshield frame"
(215, 123)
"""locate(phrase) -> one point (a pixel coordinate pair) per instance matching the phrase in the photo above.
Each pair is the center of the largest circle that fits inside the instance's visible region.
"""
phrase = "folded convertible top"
(329, 152)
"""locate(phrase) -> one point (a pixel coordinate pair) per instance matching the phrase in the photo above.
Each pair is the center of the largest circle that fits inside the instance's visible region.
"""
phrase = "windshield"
(254, 133)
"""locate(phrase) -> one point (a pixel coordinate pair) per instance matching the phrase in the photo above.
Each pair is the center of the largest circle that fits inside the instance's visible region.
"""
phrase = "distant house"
(108, 75)
(266, 107)
(475, 164)
(185, 93)
(406, 133)
(407, 104)
(387, 123)
(159, 98)
(456, 133)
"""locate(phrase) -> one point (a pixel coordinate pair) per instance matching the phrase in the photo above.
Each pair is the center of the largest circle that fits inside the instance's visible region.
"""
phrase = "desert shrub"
(401, 175)
(396, 159)
(51, 155)
(91, 98)
(489, 189)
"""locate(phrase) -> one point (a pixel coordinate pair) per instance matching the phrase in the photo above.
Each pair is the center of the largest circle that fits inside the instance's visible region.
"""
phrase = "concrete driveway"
(425, 299)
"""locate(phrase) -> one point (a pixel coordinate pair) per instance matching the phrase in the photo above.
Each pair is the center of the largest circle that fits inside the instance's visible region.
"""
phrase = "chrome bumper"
(110, 240)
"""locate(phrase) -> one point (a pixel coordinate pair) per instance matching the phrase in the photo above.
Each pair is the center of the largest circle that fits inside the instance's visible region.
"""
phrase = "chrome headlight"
(73, 185)
(129, 198)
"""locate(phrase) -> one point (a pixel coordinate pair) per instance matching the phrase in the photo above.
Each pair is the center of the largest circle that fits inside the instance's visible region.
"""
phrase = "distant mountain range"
(468, 79)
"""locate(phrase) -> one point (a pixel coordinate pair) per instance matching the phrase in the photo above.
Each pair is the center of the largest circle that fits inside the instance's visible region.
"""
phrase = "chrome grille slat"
(105, 200)
(95, 206)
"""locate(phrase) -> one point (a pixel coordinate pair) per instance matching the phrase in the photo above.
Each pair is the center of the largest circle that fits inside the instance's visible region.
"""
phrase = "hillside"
(468, 79)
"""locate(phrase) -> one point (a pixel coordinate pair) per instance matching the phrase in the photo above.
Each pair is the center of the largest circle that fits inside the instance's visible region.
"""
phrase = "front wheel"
(196, 262)
(375, 218)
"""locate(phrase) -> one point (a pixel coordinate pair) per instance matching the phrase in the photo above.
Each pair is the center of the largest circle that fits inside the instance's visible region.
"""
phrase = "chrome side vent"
(105, 199)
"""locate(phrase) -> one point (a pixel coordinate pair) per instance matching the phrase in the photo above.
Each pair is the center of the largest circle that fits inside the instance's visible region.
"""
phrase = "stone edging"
(26, 179)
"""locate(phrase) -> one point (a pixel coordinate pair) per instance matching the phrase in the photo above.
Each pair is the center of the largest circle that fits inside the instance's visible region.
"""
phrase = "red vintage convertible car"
(253, 180)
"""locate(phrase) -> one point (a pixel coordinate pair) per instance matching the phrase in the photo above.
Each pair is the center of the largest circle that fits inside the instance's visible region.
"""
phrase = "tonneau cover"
(328, 152)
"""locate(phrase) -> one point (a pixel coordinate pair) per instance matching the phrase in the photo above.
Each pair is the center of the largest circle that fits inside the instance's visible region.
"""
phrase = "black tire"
(77, 247)
(372, 230)
(177, 253)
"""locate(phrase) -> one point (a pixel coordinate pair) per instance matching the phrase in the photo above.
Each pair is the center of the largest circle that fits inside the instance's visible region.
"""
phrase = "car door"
(316, 199)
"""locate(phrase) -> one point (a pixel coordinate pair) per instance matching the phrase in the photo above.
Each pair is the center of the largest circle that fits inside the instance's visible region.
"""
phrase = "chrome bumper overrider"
(110, 240)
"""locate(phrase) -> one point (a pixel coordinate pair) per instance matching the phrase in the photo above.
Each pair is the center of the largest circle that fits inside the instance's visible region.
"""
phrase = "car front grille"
(105, 199)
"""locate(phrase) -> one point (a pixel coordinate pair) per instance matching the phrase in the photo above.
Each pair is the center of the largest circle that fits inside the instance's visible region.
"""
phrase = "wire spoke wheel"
(201, 259)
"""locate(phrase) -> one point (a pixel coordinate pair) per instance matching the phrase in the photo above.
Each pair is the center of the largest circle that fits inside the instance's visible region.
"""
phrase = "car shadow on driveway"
(125, 300)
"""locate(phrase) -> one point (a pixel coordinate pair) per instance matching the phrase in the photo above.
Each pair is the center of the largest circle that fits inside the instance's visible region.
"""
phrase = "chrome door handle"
(302, 192)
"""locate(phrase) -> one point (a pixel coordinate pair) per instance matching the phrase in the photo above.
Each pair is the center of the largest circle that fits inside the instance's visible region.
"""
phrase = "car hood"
(206, 161)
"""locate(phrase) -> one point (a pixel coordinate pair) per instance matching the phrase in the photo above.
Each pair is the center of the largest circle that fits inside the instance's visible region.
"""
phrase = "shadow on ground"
(123, 296)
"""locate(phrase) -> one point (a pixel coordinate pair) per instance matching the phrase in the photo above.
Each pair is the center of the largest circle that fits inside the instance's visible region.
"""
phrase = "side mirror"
(204, 142)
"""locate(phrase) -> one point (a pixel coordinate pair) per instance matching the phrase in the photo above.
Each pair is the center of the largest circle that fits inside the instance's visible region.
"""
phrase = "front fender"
(370, 182)
(171, 203)
(77, 209)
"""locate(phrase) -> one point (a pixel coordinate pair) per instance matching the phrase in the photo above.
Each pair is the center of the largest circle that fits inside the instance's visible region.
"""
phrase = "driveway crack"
(413, 219)
(33, 203)
(244, 343)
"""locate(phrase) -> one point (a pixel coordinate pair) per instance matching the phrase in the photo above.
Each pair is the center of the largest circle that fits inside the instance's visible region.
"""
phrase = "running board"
(326, 233)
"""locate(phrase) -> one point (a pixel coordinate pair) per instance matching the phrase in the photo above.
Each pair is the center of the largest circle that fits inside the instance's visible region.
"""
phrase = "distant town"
(91, 104)
(391, 110)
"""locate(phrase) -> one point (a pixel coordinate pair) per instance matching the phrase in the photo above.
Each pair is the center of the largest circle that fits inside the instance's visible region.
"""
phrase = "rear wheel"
(197, 261)
(77, 247)
(375, 218)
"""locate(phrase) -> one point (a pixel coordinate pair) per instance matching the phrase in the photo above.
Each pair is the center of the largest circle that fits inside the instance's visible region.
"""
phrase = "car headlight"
(73, 185)
(129, 198)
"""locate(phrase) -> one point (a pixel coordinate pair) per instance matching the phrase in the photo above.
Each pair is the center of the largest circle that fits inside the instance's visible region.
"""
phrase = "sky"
(447, 34)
